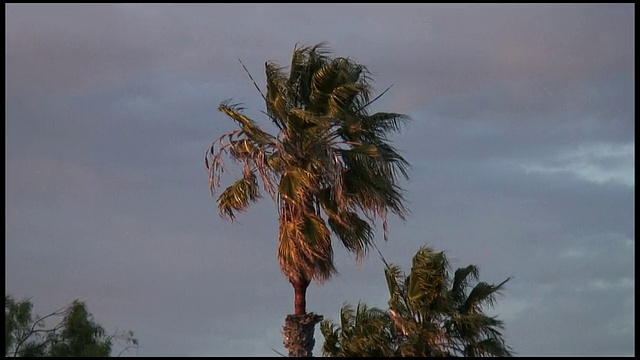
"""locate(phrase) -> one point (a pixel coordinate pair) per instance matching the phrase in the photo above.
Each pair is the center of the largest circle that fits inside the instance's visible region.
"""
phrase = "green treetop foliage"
(432, 313)
(76, 334)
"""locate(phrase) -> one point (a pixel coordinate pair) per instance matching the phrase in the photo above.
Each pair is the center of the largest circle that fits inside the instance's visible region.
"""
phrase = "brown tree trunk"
(299, 328)
(299, 295)
(298, 334)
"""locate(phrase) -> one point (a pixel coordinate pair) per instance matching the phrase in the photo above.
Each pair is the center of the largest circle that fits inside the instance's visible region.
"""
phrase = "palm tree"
(363, 331)
(430, 315)
(330, 169)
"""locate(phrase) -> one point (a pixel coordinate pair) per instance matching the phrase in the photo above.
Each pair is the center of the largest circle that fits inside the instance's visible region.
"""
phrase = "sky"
(521, 145)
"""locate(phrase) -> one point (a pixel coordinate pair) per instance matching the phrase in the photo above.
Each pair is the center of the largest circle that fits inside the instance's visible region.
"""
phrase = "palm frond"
(342, 97)
(428, 279)
(367, 149)
(306, 117)
(278, 98)
(316, 237)
(294, 185)
(248, 126)
(394, 161)
(382, 123)
(461, 281)
(305, 248)
(363, 331)
(474, 325)
(370, 190)
(483, 293)
(347, 316)
(288, 255)
(330, 332)
(238, 196)
(395, 280)
(355, 233)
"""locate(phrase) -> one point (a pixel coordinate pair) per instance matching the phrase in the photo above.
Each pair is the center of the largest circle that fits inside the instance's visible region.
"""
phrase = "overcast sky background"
(522, 148)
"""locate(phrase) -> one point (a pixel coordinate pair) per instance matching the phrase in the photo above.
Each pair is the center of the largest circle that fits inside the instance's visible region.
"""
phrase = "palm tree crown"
(431, 314)
(330, 167)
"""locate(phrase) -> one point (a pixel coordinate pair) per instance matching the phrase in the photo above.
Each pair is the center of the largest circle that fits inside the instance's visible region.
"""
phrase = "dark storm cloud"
(521, 145)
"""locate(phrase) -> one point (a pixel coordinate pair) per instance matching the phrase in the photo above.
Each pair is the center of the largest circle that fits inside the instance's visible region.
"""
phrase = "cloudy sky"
(522, 149)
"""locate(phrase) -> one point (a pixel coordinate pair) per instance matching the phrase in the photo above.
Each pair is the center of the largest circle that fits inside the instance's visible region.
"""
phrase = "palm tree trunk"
(298, 334)
(299, 328)
(300, 295)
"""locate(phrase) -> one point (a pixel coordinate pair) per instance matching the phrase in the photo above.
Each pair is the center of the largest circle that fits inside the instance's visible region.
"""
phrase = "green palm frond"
(371, 128)
(288, 255)
(355, 233)
(248, 126)
(370, 150)
(461, 281)
(317, 237)
(338, 87)
(395, 281)
(309, 59)
(343, 98)
(426, 284)
(394, 161)
(323, 81)
(277, 100)
(372, 193)
(238, 196)
(299, 119)
(295, 184)
(471, 326)
(382, 123)
(305, 248)
(483, 293)
(347, 316)
(330, 332)
(384, 166)
(363, 331)
(382, 160)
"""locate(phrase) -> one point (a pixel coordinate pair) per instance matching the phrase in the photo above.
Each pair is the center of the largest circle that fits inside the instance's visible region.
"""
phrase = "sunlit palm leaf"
(294, 184)
(247, 125)
(239, 195)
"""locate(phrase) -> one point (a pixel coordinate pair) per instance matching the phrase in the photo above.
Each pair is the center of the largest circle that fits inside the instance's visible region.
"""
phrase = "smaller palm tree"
(430, 314)
(363, 331)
